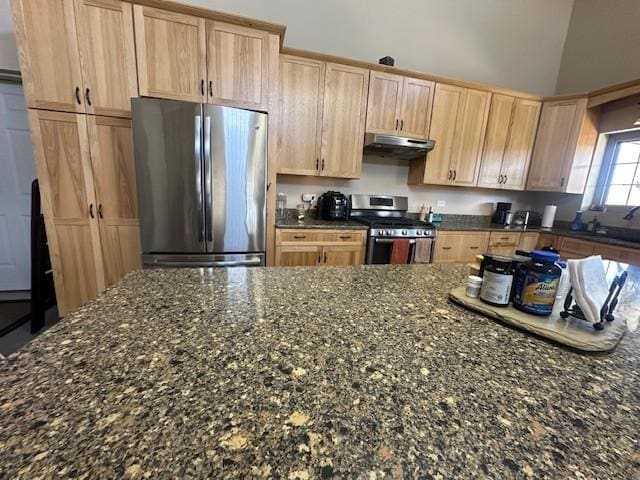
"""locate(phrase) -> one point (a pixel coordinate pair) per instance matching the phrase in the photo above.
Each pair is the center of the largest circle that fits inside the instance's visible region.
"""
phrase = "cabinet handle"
(505, 179)
(474, 248)
(446, 248)
(455, 174)
(299, 236)
(323, 164)
(78, 96)
(500, 178)
(325, 257)
(211, 88)
(87, 97)
(317, 164)
(100, 210)
(401, 124)
(504, 238)
(450, 174)
(345, 237)
(91, 210)
(562, 182)
(396, 123)
(319, 258)
(202, 87)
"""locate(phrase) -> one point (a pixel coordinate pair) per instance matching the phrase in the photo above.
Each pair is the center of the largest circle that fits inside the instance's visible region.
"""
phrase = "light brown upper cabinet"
(171, 54)
(87, 185)
(508, 142)
(77, 56)
(49, 57)
(564, 146)
(107, 56)
(237, 65)
(343, 120)
(399, 105)
(322, 118)
(301, 92)
(458, 125)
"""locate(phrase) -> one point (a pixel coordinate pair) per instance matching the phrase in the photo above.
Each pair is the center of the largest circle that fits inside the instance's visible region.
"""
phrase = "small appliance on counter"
(333, 206)
(501, 215)
(526, 218)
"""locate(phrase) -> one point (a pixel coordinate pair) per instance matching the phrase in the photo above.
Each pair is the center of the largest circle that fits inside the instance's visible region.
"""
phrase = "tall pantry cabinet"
(77, 60)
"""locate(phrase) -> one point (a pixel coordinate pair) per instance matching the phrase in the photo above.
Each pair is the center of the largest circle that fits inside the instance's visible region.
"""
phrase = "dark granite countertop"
(344, 372)
(311, 221)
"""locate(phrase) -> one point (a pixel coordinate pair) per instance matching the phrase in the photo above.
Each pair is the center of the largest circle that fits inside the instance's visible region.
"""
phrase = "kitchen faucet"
(631, 212)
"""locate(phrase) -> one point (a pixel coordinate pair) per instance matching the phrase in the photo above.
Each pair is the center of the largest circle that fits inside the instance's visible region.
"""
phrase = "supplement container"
(536, 283)
(474, 284)
(497, 281)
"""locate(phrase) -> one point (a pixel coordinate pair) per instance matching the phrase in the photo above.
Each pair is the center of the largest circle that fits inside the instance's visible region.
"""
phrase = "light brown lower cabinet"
(570, 247)
(87, 184)
(459, 247)
(308, 248)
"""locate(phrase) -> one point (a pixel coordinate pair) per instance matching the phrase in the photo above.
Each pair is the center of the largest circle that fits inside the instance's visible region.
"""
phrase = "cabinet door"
(547, 240)
(448, 247)
(61, 149)
(298, 256)
(474, 243)
(415, 110)
(555, 141)
(171, 54)
(383, 107)
(343, 120)
(107, 55)
(301, 91)
(49, 58)
(495, 141)
(522, 134)
(342, 255)
(115, 186)
(528, 241)
(446, 104)
(237, 65)
(471, 125)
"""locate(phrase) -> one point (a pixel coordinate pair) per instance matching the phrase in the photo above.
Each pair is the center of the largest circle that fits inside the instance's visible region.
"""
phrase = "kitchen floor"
(19, 337)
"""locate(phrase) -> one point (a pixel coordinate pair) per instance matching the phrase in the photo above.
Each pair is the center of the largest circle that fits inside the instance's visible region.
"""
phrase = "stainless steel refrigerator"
(201, 178)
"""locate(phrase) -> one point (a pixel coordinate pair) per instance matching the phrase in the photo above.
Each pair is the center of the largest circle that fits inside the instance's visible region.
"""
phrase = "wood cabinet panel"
(301, 94)
(383, 106)
(522, 134)
(496, 138)
(297, 247)
(343, 120)
(342, 255)
(528, 241)
(459, 247)
(497, 239)
(415, 108)
(576, 246)
(470, 130)
(171, 54)
(619, 254)
(237, 65)
(547, 240)
(48, 51)
(298, 256)
(107, 54)
(121, 250)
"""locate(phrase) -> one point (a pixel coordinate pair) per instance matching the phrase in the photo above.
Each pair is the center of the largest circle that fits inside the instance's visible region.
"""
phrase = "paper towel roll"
(548, 216)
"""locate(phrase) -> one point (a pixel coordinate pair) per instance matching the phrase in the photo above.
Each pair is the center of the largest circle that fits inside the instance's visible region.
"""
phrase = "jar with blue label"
(536, 283)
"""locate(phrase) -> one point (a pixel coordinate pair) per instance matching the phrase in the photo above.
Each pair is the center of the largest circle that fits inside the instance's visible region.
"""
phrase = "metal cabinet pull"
(325, 257)
(455, 174)
(211, 88)
(345, 237)
(396, 123)
(319, 259)
(504, 238)
(446, 248)
(505, 179)
(202, 87)
(317, 164)
(562, 182)
(500, 178)
(449, 176)
(100, 210)
(474, 248)
(78, 96)
(87, 97)
(91, 210)
(323, 164)
(401, 124)
(299, 236)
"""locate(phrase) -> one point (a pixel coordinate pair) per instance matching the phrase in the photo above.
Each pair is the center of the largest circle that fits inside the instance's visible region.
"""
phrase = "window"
(619, 182)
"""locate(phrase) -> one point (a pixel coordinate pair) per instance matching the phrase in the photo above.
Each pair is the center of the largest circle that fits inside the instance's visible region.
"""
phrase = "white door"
(17, 171)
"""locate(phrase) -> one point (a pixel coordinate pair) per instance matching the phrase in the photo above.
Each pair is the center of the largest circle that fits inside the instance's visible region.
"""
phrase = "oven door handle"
(390, 240)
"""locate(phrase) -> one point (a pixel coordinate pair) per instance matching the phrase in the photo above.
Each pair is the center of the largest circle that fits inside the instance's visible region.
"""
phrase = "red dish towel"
(400, 251)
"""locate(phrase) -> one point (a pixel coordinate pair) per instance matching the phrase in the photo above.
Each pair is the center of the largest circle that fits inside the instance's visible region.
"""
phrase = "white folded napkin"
(590, 288)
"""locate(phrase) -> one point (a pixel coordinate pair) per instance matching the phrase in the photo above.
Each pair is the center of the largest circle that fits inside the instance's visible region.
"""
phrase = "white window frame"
(608, 162)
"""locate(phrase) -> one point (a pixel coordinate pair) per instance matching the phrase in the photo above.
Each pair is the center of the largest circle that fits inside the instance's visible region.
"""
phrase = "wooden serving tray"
(572, 332)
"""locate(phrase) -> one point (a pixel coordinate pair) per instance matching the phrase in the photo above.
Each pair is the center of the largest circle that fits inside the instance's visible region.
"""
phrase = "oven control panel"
(402, 232)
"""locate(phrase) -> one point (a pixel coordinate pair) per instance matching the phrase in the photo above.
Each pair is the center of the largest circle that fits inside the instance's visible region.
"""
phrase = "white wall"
(8, 52)
(512, 43)
(389, 176)
(602, 47)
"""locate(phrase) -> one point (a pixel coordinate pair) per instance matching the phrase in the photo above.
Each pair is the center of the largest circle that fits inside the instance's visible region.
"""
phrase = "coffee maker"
(500, 215)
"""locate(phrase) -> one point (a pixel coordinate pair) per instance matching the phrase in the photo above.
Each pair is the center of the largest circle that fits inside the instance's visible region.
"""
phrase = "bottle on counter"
(474, 284)
(536, 283)
(497, 280)
(576, 223)
(281, 206)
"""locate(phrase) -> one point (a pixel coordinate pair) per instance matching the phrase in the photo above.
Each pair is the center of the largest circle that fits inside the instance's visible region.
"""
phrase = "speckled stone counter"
(351, 372)
(311, 221)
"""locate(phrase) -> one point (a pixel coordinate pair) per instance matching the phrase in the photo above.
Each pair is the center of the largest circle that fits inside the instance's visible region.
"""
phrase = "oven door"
(379, 249)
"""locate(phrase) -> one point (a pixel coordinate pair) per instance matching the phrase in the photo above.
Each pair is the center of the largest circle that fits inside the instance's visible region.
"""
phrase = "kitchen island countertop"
(358, 372)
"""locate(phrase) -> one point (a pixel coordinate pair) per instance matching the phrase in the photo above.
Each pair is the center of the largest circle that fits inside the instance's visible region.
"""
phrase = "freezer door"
(235, 157)
(169, 174)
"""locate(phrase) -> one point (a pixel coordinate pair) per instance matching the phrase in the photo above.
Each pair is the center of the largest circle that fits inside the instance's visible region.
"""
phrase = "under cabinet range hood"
(397, 147)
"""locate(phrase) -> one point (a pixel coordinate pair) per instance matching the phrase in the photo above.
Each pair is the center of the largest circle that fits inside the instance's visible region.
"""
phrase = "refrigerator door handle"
(197, 153)
(208, 186)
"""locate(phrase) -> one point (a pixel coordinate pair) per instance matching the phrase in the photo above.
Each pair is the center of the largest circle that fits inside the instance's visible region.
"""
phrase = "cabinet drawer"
(309, 236)
(625, 255)
(576, 247)
(504, 239)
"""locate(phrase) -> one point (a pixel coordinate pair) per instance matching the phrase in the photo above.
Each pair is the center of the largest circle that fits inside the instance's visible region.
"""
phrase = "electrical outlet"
(441, 203)
(308, 197)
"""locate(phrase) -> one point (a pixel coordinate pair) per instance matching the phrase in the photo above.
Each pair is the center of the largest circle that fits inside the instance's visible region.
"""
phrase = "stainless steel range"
(386, 217)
